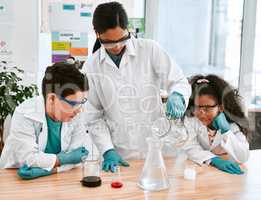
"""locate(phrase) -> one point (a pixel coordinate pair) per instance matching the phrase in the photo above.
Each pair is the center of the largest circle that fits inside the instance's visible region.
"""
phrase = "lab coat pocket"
(124, 133)
(127, 99)
(117, 133)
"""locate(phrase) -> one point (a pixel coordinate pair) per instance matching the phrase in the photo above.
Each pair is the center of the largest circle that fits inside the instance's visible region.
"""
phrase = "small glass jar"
(91, 172)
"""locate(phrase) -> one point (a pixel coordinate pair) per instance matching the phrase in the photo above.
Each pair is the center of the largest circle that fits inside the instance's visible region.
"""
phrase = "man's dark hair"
(63, 79)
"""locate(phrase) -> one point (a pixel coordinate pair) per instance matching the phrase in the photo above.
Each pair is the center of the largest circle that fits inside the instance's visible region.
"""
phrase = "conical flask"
(154, 175)
(170, 131)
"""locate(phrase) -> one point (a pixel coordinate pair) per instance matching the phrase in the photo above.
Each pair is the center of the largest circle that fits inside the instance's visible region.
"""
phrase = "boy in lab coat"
(46, 134)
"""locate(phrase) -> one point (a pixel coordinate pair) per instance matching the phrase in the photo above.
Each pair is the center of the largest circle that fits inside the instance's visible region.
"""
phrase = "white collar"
(130, 50)
(35, 109)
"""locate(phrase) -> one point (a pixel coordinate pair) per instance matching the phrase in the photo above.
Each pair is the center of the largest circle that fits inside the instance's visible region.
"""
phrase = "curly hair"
(225, 95)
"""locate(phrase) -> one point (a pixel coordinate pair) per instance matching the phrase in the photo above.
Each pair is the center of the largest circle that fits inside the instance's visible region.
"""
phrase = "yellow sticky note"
(61, 46)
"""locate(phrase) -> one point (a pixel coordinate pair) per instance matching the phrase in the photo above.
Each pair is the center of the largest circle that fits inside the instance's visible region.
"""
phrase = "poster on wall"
(70, 24)
(71, 16)
(69, 44)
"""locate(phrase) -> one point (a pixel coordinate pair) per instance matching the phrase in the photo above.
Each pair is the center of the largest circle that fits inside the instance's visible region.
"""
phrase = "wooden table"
(209, 184)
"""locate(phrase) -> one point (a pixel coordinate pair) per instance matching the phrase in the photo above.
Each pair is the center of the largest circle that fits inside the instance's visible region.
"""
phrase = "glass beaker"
(178, 134)
(154, 175)
(116, 178)
(91, 172)
(171, 131)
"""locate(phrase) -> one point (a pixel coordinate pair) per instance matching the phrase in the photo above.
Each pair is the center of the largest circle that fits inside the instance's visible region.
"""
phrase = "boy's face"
(206, 109)
(64, 109)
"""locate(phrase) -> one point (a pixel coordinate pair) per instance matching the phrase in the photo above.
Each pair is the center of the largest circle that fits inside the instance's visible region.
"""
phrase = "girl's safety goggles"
(205, 108)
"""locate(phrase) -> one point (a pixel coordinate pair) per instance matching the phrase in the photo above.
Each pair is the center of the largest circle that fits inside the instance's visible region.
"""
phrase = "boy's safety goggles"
(74, 104)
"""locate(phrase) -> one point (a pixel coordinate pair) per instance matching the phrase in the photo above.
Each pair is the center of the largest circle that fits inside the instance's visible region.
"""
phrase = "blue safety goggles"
(74, 103)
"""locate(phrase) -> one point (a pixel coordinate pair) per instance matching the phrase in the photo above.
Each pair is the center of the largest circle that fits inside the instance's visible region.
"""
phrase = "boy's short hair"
(63, 79)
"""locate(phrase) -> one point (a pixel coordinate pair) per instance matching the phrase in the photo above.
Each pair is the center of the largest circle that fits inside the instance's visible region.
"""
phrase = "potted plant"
(12, 93)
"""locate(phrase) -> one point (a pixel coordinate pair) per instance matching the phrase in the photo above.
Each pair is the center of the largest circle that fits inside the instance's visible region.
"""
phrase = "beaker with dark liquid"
(91, 172)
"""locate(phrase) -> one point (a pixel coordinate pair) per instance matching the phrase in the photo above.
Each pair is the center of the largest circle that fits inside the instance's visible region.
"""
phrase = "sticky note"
(55, 36)
(86, 14)
(68, 7)
(56, 46)
(59, 58)
(79, 51)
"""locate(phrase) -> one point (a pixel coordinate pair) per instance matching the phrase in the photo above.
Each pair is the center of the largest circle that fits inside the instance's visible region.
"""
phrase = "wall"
(26, 29)
(29, 47)
(183, 26)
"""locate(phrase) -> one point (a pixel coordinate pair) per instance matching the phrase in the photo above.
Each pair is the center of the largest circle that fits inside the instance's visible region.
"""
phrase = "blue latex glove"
(175, 106)
(226, 165)
(28, 173)
(73, 157)
(220, 123)
(111, 160)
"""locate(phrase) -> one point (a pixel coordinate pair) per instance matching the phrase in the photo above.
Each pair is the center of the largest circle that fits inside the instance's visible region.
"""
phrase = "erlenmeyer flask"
(178, 134)
(154, 175)
(170, 131)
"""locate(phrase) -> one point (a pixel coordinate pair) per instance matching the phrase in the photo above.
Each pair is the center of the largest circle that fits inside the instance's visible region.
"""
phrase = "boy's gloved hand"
(220, 123)
(73, 157)
(28, 173)
(112, 159)
(175, 106)
(226, 165)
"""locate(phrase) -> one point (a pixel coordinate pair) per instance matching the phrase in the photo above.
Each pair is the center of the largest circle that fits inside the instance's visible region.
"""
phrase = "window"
(203, 36)
(257, 58)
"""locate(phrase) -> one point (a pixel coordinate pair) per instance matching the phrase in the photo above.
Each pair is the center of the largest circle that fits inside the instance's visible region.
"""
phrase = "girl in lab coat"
(46, 136)
(216, 117)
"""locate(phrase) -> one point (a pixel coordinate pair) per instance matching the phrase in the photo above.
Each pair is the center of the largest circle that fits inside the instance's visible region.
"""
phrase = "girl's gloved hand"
(226, 165)
(220, 123)
(175, 106)
(112, 159)
(28, 173)
(73, 157)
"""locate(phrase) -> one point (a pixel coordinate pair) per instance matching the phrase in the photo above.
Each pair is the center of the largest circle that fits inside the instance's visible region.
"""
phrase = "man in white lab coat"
(125, 76)
(46, 136)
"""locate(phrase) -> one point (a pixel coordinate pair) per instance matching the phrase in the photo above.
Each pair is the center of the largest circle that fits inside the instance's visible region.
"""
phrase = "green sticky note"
(86, 14)
(68, 6)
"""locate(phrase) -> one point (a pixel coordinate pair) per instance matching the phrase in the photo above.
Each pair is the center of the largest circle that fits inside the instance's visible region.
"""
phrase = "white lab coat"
(124, 101)
(28, 137)
(198, 148)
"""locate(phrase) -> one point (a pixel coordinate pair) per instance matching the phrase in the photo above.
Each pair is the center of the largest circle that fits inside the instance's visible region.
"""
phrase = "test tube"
(190, 172)
(116, 179)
